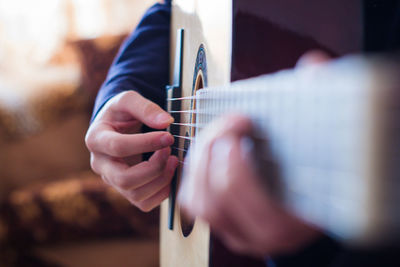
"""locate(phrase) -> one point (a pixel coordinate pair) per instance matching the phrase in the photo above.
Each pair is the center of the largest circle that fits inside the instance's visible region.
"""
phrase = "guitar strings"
(182, 162)
(179, 149)
(192, 125)
(217, 95)
(184, 137)
(191, 112)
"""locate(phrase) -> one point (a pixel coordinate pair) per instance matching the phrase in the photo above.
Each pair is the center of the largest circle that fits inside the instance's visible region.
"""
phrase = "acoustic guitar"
(328, 128)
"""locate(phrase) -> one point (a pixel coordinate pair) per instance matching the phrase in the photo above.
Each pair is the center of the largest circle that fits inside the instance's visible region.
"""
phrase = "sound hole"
(188, 223)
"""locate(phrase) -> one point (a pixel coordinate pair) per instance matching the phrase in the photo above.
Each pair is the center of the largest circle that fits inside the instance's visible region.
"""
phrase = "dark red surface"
(270, 35)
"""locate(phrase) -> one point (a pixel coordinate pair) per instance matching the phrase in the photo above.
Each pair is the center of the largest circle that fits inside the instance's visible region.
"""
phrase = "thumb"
(142, 109)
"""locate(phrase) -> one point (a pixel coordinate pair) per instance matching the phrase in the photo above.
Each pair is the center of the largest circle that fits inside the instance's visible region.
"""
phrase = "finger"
(142, 109)
(146, 191)
(239, 186)
(96, 161)
(104, 166)
(119, 145)
(254, 217)
(222, 189)
(124, 177)
(146, 171)
(154, 201)
(127, 127)
(193, 186)
(236, 124)
(313, 57)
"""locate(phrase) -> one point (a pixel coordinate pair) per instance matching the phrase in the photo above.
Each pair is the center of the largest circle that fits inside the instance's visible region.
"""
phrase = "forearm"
(142, 63)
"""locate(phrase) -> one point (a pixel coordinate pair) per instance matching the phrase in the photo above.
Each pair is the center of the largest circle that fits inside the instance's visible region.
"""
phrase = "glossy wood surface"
(205, 22)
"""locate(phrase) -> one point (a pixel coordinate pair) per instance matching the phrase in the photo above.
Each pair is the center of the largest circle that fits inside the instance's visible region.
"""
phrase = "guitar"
(219, 42)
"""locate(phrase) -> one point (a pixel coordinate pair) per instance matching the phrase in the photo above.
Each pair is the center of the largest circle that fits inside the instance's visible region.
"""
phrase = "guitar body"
(211, 29)
(224, 41)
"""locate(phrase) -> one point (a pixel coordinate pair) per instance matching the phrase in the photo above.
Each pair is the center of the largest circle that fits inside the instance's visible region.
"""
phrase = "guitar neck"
(333, 132)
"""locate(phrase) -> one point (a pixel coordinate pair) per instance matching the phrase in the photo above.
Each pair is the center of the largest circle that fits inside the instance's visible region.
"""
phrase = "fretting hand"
(222, 186)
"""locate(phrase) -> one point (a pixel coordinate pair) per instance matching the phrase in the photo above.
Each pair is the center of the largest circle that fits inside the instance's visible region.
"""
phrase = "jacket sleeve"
(320, 253)
(142, 64)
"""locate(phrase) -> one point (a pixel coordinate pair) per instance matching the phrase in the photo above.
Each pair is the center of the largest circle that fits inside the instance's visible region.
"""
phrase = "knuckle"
(152, 142)
(93, 163)
(115, 147)
(144, 206)
(122, 181)
(152, 168)
(134, 196)
(123, 100)
(125, 97)
(158, 167)
(165, 181)
(149, 108)
(130, 94)
(209, 214)
(89, 140)
(234, 246)
(105, 180)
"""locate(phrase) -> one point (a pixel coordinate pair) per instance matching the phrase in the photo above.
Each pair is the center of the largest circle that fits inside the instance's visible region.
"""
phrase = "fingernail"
(164, 118)
(220, 149)
(219, 165)
(167, 140)
(247, 147)
(173, 164)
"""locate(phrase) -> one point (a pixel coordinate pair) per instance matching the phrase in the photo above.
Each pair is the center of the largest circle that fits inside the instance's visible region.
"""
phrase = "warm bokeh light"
(32, 31)
(54, 55)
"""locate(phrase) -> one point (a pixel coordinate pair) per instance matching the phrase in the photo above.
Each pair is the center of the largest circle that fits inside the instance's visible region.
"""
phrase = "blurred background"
(54, 55)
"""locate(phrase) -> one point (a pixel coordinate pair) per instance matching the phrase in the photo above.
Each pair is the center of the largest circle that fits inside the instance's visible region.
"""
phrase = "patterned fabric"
(74, 209)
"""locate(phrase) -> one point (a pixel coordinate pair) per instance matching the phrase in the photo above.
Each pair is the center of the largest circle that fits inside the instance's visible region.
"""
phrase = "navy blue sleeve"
(142, 64)
(320, 253)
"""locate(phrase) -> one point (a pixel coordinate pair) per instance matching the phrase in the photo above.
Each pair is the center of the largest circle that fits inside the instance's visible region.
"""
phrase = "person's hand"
(222, 186)
(116, 144)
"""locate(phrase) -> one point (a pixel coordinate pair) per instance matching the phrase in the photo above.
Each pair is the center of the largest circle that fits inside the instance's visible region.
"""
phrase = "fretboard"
(334, 131)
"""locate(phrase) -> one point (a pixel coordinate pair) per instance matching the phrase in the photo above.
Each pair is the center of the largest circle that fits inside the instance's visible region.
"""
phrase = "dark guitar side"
(272, 35)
